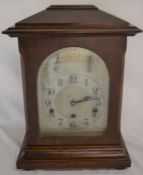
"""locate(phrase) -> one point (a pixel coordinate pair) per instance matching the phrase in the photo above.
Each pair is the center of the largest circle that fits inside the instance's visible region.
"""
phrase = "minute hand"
(84, 99)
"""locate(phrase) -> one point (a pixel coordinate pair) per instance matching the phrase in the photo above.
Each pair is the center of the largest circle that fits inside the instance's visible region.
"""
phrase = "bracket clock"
(72, 62)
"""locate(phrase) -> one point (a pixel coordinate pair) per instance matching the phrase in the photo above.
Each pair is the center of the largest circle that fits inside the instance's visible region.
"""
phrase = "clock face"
(73, 93)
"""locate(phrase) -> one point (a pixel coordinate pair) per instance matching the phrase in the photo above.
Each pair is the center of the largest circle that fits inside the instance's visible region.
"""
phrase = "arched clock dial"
(73, 93)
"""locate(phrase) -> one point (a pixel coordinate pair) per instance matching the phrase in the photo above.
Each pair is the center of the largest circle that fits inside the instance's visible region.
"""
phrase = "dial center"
(66, 100)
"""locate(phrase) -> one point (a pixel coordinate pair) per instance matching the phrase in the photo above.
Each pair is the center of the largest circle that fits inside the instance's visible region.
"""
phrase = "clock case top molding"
(83, 26)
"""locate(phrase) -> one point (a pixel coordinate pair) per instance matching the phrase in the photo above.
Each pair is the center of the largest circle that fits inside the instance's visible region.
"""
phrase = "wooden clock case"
(72, 26)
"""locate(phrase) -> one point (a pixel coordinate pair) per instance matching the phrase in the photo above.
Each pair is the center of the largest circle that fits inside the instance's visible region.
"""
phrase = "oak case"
(38, 48)
(35, 43)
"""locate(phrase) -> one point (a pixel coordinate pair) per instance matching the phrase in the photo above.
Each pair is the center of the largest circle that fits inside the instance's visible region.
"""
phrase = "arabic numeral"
(60, 122)
(85, 122)
(47, 102)
(98, 103)
(73, 78)
(86, 82)
(73, 125)
(60, 82)
(51, 91)
(95, 90)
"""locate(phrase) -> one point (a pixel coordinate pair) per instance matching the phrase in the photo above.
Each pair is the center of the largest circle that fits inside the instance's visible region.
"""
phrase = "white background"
(12, 123)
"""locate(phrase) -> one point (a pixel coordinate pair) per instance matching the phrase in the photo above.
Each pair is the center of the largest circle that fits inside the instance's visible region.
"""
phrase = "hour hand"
(84, 99)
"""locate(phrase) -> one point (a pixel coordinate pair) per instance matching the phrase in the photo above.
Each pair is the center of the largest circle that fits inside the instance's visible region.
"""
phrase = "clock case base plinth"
(73, 157)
